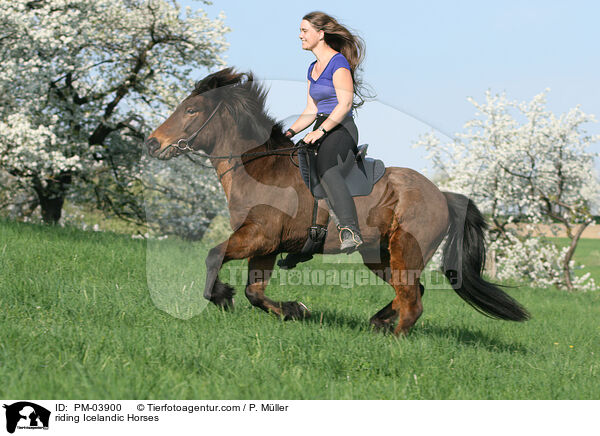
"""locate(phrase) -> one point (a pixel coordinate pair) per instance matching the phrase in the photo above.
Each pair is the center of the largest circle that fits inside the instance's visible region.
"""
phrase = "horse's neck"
(268, 181)
(234, 175)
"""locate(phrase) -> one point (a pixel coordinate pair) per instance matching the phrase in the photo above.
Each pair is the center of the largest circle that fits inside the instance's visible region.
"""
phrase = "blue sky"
(424, 59)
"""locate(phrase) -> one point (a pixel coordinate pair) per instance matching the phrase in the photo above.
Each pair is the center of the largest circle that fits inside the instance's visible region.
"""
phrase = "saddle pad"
(360, 174)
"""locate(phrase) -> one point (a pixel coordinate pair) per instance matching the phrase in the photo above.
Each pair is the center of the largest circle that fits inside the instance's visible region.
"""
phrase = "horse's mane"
(245, 100)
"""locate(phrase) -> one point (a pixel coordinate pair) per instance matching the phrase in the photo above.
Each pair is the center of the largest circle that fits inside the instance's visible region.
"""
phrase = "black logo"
(25, 415)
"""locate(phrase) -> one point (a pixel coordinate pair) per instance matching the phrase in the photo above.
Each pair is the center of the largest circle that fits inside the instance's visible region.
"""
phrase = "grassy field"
(80, 318)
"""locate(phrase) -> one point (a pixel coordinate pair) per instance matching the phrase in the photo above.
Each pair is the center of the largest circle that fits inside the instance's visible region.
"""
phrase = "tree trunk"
(574, 240)
(51, 208)
(52, 197)
(492, 268)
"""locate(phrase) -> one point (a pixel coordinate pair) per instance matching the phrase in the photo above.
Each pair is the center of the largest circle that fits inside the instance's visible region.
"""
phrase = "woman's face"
(309, 35)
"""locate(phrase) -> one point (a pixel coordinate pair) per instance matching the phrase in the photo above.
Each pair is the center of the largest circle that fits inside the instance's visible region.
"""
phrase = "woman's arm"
(307, 117)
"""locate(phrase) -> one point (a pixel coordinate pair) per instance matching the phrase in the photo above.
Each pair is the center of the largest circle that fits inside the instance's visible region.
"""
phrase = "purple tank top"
(322, 90)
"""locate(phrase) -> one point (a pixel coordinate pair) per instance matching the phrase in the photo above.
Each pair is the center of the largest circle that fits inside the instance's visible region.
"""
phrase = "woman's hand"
(313, 136)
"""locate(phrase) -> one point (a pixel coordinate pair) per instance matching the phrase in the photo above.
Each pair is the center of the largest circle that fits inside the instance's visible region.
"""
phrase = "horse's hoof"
(382, 325)
(222, 296)
(225, 304)
(292, 310)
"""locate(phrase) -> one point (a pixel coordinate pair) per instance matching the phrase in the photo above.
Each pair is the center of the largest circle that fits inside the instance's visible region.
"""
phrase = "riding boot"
(344, 209)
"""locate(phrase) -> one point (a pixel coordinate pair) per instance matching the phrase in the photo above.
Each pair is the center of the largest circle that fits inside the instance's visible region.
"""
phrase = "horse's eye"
(190, 110)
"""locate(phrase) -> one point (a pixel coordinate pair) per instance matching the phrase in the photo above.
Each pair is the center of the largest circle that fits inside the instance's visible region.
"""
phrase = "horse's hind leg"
(401, 266)
(259, 273)
(406, 263)
(384, 319)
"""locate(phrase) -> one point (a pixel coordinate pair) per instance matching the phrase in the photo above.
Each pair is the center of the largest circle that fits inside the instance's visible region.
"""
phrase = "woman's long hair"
(352, 46)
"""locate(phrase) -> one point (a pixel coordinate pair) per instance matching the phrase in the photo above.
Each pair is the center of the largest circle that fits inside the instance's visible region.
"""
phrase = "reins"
(255, 155)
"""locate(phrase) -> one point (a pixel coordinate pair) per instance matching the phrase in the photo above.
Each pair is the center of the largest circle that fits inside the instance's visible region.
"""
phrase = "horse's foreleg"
(259, 273)
(216, 291)
(245, 242)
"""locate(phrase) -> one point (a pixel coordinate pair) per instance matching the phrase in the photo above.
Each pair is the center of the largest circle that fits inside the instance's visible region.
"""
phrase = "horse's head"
(188, 125)
(220, 101)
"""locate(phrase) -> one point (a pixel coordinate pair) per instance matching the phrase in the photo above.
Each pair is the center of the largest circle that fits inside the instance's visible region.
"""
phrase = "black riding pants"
(335, 148)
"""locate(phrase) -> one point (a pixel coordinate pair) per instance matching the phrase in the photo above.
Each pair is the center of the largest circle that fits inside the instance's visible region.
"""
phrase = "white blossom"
(523, 165)
(81, 81)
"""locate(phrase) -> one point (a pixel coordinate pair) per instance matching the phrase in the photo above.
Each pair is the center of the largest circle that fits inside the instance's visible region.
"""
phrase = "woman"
(331, 88)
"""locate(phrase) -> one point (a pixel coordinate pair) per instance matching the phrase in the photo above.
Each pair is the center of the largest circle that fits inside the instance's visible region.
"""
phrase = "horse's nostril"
(152, 144)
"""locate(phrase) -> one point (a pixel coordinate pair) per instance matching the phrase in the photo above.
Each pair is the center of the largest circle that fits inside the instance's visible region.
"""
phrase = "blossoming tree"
(524, 166)
(79, 81)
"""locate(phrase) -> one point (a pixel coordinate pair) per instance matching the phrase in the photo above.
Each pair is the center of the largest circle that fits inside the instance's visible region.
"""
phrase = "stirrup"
(356, 239)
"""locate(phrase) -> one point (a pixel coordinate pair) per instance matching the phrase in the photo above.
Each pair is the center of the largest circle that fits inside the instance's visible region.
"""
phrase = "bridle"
(186, 142)
(184, 146)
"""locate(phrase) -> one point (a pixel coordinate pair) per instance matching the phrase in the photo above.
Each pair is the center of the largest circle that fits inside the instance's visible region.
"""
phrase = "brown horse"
(403, 220)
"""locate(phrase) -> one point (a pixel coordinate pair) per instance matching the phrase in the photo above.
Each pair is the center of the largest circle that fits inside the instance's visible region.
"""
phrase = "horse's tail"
(464, 259)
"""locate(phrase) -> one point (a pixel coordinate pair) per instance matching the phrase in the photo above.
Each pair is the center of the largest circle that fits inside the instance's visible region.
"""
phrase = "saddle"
(359, 174)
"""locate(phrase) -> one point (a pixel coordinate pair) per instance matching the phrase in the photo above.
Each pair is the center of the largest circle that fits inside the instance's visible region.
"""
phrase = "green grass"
(79, 319)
